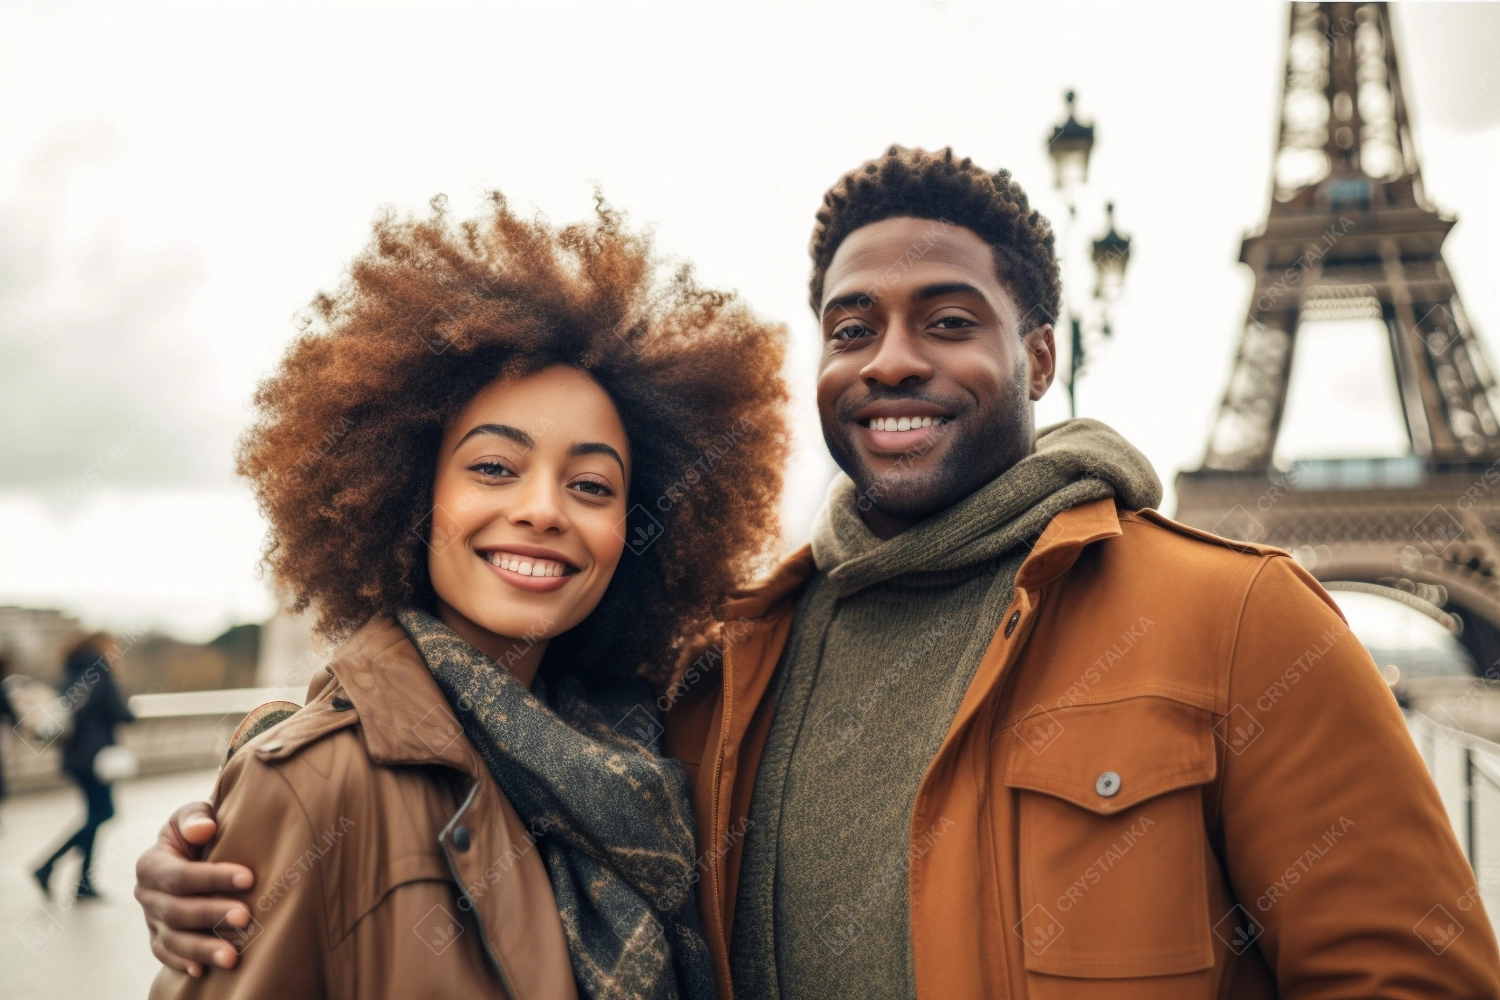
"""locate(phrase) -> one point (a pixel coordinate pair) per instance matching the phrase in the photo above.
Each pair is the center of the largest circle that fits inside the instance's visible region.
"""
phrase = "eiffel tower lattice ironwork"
(1350, 235)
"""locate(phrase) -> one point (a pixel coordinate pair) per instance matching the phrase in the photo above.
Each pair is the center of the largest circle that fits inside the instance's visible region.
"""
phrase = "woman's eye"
(491, 470)
(593, 487)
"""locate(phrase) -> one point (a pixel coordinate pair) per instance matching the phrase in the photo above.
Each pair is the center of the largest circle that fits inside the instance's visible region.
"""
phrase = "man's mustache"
(848, 408)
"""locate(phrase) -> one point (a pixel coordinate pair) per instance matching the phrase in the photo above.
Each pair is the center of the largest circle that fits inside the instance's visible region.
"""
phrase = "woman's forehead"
(558, 406)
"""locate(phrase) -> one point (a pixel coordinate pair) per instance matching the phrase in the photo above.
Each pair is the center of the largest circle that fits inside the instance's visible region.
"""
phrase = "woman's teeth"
(528, 566)
(904, 423)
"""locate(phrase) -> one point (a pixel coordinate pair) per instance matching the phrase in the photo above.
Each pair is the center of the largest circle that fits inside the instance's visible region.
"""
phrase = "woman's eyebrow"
(515, 434)
(597, 448)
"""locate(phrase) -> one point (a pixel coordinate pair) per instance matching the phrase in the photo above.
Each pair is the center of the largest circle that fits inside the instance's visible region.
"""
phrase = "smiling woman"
(454, 465)
(433, 314)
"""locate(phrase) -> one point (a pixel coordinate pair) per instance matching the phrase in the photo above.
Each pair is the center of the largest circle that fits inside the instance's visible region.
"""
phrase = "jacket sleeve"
(1349, 876)
(284, 951)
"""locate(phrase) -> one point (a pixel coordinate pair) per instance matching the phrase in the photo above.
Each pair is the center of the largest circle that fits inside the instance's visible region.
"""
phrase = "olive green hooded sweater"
(887, 637)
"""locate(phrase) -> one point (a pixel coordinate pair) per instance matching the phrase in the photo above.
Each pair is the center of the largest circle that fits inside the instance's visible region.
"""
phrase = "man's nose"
(899, 358)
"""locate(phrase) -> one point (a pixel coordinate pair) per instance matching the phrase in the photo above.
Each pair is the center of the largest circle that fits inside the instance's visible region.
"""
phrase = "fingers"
(191, 913)
(193, 824)
(163, 868)
(171, 961)
(187, 948)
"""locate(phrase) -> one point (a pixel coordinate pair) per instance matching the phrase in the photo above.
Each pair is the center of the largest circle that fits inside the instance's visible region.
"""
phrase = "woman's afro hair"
(918, 184)
(343, 452)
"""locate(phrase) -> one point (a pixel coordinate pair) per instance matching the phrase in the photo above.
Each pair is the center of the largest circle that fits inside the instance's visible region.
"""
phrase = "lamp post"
(1069, 147)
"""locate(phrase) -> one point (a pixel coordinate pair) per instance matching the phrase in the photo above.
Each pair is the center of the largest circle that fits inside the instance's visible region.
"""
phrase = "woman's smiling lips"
(528, 568)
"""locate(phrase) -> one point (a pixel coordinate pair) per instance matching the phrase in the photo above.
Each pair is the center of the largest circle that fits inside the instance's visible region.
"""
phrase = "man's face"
(929, 370)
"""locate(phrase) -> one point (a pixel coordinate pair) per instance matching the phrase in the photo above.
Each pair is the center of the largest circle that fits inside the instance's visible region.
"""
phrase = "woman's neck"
(521, 657)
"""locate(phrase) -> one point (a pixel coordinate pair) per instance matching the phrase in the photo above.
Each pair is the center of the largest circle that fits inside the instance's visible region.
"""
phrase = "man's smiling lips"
(527, 567)
(895, 428)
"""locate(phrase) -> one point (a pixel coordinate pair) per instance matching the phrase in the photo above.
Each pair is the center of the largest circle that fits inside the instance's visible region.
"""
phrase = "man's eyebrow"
(597, 448)
(517, 435)
(947, 288)
(861, 299)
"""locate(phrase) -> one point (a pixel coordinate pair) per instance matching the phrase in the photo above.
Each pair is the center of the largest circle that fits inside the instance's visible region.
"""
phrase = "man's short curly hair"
(918, 184)
(343, 453)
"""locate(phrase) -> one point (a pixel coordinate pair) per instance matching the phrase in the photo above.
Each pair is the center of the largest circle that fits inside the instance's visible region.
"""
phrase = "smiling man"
(1000, 731)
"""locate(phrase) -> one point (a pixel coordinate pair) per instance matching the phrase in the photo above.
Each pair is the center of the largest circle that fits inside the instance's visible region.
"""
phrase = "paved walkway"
(95, 950)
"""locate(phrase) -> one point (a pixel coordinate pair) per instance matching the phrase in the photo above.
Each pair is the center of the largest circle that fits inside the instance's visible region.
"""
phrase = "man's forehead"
(885, 257)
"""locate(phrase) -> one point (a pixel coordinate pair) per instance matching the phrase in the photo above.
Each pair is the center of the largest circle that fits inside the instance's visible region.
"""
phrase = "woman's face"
(532, 478)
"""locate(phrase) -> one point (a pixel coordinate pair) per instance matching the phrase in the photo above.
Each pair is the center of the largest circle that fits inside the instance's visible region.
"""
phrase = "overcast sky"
(177, 181)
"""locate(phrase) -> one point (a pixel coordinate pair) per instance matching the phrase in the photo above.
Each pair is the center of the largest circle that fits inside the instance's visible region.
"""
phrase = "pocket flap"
(1107, 758)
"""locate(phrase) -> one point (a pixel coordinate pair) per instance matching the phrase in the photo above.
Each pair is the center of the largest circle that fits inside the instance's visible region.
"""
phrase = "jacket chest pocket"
(1112, 851)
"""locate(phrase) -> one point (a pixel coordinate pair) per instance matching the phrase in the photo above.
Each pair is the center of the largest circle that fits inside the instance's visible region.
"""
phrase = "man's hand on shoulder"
(181, 895)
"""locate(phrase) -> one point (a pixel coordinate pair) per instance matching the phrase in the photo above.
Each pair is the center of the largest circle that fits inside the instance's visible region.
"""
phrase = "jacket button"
(1108, 784)
(342, 704)
(461, 838)
(1010, 626)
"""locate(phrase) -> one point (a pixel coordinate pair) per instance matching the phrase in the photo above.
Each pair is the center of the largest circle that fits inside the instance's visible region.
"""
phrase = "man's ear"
(1041, 360)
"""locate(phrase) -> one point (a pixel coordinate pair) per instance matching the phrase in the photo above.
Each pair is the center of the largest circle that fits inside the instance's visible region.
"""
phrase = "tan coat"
(1176, 774)
(361, 816)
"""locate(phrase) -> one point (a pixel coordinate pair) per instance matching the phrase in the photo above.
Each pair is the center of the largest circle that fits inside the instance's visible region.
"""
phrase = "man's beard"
(978, 446)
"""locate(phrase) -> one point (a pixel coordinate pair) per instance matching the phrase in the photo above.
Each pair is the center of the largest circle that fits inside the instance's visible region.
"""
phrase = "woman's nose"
(538, 505)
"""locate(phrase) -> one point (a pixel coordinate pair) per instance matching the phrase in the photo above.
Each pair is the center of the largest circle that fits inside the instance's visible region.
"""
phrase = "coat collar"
(380, 680)
(1056, 549)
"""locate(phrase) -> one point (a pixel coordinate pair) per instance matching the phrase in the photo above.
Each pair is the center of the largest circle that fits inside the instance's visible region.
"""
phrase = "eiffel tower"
(1351, 236)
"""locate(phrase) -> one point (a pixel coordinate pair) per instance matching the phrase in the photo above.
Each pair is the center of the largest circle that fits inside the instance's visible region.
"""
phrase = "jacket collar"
(1064, 538)
(1054, 551)
(404, 717)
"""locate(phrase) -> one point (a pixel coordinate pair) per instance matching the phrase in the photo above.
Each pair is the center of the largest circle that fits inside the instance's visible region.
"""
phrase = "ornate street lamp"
(1111, 254)
(1069, 147)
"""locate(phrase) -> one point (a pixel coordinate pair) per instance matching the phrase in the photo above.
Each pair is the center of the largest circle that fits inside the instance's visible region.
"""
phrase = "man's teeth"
(528, 566)
(904, 423)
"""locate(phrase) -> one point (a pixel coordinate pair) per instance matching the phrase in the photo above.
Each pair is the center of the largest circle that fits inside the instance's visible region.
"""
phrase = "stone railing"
(172, 732)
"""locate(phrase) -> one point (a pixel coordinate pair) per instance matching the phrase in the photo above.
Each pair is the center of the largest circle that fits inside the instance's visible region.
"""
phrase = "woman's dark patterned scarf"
(611, 816)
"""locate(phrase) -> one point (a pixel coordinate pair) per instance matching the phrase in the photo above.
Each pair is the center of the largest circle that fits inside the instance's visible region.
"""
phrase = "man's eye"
(852, 331)
(953, 322)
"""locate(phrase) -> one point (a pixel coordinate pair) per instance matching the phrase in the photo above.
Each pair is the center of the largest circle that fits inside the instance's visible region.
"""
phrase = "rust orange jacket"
(1176, 773)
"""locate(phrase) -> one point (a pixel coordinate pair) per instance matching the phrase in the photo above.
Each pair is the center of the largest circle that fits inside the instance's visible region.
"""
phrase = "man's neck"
(885, 526)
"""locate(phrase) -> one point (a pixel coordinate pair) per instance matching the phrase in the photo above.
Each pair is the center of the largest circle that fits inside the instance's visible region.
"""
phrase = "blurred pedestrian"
(97, 707)
(7, 712)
